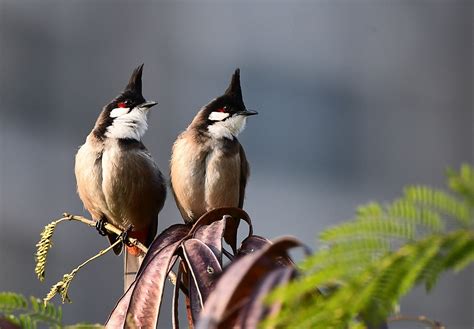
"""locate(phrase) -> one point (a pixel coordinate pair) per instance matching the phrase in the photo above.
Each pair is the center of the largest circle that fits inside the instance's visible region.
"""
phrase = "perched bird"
(117, 179)
(208, 165)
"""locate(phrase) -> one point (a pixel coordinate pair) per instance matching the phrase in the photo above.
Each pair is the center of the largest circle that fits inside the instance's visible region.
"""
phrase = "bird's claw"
(100, 226)
(124, 235)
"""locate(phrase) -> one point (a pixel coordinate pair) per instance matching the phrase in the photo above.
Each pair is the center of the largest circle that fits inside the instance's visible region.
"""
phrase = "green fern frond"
(370, 210)
(354, 253)
(462, 182)
(34, 313)
(424, 218)
(46, 312)
(366, 265)
(440, 201)
(11, 302)
(28, 315)
(386, 227)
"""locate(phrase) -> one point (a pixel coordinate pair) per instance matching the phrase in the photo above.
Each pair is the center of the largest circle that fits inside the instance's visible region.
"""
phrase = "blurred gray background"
(356, 100)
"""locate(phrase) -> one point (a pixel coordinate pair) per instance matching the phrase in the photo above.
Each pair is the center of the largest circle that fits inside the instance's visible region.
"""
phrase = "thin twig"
(115, 230)
(108, 227)
(62, 286)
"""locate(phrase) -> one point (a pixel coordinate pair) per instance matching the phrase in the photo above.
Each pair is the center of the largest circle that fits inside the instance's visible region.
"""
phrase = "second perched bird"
(208, 165)
(117, 179)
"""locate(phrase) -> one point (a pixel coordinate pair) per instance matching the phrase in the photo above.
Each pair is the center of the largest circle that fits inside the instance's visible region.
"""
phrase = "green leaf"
(366, 265)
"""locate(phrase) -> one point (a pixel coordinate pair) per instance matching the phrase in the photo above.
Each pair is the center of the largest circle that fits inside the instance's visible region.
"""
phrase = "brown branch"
(108, 227)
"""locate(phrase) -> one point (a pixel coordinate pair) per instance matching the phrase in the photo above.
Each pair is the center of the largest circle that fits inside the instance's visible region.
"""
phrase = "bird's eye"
(122, 104)
(222, 109)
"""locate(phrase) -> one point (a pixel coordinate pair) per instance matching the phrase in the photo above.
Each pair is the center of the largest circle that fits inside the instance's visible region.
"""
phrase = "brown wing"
(244, 175)
(88, 171)
(134, 188)
(180, 207)
(231, 226)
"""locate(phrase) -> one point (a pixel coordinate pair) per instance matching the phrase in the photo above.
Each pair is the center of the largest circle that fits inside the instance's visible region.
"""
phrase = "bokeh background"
(356, 100)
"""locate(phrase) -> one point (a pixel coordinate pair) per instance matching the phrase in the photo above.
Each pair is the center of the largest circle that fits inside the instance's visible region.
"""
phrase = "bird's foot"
(100, 226)
(131, 248)
(125, 234)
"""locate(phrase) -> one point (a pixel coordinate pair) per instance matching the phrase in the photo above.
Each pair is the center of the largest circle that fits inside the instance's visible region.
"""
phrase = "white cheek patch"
(119, 111)
(218, 116)
(131, 125)
(229, 128)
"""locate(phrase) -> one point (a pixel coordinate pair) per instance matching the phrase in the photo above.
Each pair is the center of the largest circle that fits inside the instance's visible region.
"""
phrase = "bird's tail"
(131, 264)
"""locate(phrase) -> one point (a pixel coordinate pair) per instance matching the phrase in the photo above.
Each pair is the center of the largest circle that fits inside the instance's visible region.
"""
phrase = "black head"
(231, 102)
(131, 99)
(132, 94)
(225, 116)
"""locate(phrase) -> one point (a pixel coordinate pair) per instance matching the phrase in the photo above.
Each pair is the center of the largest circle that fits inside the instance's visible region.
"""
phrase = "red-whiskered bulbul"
(117, 179)
(208, 165)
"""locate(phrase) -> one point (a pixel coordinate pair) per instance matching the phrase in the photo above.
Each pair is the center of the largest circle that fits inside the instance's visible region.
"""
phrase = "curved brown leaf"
(168, 236)
(176, 298)
(230, 234)
(203, 265)
(256, 309)
(251, 244)
(146, 298)
(119, 313)
(204, 269)
(172, 235)
(211, 235)
(194, 300)
(236, 285)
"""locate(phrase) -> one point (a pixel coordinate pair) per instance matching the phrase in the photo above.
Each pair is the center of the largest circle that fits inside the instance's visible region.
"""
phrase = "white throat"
(229, 128)
(131, 125)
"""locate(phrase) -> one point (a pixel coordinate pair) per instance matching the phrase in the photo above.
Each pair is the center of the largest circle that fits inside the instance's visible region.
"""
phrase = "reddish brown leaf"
(204, 266)
(171, 236)
(194, 307)
(187, 280)
(236, 285)
(211, 235)
(176, 298)
(168, 236)
(256, 310)
(147, 294)
(119, 313)
(251, 244)
(230, 234)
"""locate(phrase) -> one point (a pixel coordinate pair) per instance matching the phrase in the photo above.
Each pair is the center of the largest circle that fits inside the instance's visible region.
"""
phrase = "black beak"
(247, 113)
(147, 105)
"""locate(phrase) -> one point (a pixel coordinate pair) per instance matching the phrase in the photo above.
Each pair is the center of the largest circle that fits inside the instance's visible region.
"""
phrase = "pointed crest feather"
(234, 86)
(135, 82)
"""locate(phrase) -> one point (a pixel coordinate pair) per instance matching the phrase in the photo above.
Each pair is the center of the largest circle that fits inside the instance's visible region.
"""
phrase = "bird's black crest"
(234, 86)
(135, 83)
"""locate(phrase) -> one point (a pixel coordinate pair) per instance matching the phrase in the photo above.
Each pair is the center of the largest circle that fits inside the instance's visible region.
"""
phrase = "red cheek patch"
(121, 104)
(222, 110)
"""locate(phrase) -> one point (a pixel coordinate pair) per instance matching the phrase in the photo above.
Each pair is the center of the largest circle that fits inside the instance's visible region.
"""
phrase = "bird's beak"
(147, 105)
(247, 113)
